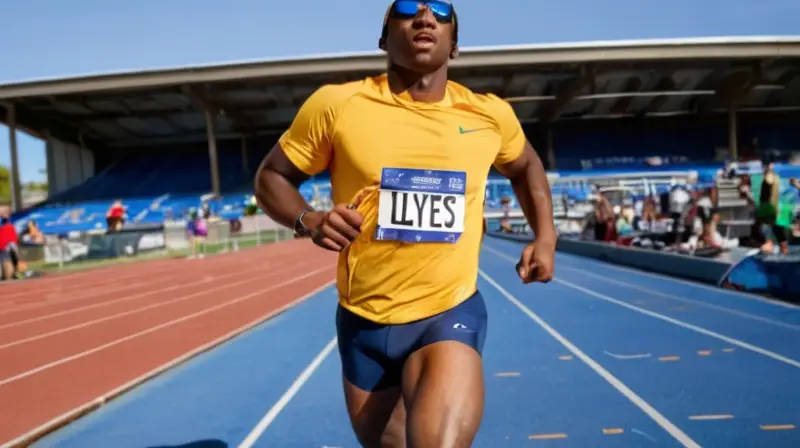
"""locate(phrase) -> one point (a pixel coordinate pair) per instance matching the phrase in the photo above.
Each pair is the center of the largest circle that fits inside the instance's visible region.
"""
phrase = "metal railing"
(78, 250)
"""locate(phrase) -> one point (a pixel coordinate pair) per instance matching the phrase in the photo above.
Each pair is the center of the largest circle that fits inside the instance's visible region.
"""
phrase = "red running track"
(70, 341)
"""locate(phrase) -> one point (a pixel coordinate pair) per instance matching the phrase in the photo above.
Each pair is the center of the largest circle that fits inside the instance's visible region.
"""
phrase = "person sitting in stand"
(710, 236)
(115, 217)
(31, 234)
(646, 222)
(624, 224)
(505, 221)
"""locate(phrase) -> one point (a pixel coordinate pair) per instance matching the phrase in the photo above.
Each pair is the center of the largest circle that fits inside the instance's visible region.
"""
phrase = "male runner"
(409, 153)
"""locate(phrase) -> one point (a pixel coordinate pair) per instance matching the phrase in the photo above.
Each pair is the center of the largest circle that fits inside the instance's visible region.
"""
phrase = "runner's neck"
(411, 86)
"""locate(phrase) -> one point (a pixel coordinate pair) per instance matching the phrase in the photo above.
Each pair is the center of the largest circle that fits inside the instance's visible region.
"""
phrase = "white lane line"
(680, 323)
(170, 323)
(716, 289)
(683, 324)
(651, 412)
(124, 298)
(287, 396)
(690, 301)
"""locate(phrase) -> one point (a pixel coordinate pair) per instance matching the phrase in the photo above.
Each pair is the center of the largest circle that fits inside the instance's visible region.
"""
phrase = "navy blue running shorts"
(373, 354)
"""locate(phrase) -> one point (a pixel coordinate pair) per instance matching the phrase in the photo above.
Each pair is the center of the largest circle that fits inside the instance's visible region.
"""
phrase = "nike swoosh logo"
(461, 130)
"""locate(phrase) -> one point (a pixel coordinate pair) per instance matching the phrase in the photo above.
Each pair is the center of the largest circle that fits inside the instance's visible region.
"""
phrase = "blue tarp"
(775, 275)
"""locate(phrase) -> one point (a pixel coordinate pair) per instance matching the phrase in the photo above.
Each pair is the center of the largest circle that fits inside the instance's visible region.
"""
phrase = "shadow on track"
(210, 443)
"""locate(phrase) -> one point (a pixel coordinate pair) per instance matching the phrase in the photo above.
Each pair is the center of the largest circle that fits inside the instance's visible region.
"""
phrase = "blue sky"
(59, 38)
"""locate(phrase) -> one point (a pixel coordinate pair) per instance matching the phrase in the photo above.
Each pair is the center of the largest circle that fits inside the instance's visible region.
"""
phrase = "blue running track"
(602, 356)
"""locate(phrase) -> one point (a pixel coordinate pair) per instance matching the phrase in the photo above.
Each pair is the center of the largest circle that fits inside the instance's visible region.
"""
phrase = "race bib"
(418, 206)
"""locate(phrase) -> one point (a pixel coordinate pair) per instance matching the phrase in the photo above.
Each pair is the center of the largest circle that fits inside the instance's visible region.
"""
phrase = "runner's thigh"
(443, 387)
(371, 382)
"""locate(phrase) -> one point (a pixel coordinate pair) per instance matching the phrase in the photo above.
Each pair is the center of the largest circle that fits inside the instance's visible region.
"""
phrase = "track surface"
(602, 356)
(67, 340)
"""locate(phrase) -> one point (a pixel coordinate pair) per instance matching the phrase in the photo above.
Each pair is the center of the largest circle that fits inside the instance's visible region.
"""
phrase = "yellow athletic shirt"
(417, 255)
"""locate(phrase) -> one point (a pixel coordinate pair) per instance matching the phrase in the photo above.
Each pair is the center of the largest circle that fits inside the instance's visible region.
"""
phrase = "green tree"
(5, 185)
(36, 186)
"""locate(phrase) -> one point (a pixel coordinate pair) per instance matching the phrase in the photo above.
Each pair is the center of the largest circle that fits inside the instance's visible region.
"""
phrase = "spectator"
(205, 210)
(646, 223)
(767, 212)
(746, 191)
(690, 221)
(756, 237)
(705, 206)
(796, 225)
(604, 218)
(712, 238)
(590, 226)
(115, 217)
(8, 237)
(13, 265)
(624, 224)
(505, 221)
(31, 234)
(197, 227)
(728, 171)
(679, 204)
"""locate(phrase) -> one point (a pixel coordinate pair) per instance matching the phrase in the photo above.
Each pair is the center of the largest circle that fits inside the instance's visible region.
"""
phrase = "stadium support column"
(16, 191)
(53, 182)
(731, 91)
(733, 132)
(212, 151)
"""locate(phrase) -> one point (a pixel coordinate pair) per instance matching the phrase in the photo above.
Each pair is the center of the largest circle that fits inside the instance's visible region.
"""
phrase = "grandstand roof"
(548, 83)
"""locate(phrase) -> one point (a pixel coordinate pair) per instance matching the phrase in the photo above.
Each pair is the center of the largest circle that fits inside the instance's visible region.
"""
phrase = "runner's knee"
(378, 417)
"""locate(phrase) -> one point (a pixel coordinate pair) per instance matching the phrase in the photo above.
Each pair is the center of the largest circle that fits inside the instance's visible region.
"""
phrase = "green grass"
(41, 266)
(266, 237)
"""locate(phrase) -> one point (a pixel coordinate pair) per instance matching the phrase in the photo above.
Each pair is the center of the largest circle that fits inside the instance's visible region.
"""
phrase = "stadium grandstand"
(637, 115)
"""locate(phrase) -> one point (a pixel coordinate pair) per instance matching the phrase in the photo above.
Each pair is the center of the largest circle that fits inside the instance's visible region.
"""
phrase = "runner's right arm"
(277, 188)
(304, 150)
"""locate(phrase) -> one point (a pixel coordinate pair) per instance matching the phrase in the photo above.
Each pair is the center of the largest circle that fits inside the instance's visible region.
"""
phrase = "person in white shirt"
(679, 199)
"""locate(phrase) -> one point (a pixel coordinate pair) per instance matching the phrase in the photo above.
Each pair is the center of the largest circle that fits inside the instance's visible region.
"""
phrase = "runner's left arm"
(518, 161)
(529, 181)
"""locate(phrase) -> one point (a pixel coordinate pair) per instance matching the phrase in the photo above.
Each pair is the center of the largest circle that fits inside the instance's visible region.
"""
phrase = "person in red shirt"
(115, 216)
(8, 244)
